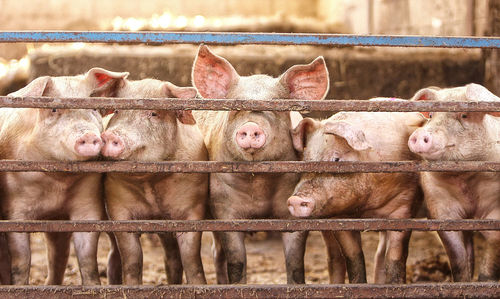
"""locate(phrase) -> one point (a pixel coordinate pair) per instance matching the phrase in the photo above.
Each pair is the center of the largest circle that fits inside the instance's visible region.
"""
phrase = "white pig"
(55, 135)
(462, 136)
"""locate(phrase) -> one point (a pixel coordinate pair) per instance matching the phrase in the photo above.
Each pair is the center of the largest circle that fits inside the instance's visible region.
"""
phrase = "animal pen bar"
(471, 290)
(235, 104)
(150, 226)
(233, 38)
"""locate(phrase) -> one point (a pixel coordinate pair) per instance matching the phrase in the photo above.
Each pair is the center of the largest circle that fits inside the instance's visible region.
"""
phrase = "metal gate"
(424, 290)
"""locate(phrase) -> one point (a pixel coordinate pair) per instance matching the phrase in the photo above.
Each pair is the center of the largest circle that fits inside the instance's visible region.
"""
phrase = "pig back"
(386, 132)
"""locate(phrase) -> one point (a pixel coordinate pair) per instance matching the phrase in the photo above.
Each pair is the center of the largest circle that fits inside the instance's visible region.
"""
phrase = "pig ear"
(184, 116)
(476, 92)
(212, 75)
(180, 92)
(307, 82)
(299, 134)
(354, 137)
(35, 88)
(105, 83)
(425, 94)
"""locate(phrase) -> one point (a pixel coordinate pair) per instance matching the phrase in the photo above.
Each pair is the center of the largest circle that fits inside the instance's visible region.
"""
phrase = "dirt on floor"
(427, 260)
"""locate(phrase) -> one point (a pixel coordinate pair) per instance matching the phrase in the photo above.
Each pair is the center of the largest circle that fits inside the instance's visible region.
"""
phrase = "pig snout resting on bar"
(369, 137)
(252, 136)
(156, 135)
(462, 136)
(55, 135)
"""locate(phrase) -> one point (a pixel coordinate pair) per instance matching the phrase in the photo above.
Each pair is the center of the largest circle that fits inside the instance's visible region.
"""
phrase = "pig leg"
(57, 256)
(19, 249)
(131, 254)
(489, 269)
(469, 248)
(86, 254)
(294, 245)
(396, 255)
(350, 243)
(5, 266)
(190, 246)
(336, 261)
(220, 261)
(114, 271)
(234, 249)
(173, 262)
(455, 247)
(379, 271)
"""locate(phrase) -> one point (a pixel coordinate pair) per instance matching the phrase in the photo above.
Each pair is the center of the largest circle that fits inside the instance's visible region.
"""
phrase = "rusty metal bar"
(151, 226)
(447, 290)
(233, 38)
(238, 104)
(252, 167)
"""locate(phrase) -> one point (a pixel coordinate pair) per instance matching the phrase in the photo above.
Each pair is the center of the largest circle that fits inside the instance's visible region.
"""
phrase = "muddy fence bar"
(447, 290)
(151, 226)
(425, 290)
(253, 167)
(254, 105)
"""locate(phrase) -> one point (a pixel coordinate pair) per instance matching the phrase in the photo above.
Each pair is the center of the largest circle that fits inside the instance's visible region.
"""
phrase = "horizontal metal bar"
(235, 104)
(223, 38)
(428, 290)
(150, 226)
(250, 167)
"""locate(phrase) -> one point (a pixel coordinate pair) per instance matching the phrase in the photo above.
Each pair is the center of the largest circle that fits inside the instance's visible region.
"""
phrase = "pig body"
(356, 136)
(156, 136)
(252, 136)
(467, 136)
(55, 135)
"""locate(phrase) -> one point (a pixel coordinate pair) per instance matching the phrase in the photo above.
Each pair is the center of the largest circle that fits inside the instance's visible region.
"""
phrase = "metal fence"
(477, 290)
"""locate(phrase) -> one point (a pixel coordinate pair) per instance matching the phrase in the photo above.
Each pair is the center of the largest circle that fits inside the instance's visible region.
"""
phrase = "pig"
(357, 136)
(252, 136)
(156, 135)
(56, 135)
(462, 136)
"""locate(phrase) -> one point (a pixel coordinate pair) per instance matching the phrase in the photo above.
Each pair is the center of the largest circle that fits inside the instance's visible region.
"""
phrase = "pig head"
(352, 136)
(247, 135)
(146, 135)
(64, 134)
(457, 135)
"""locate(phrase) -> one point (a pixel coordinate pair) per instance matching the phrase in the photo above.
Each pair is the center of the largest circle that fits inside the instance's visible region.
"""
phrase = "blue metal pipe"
(248, 38)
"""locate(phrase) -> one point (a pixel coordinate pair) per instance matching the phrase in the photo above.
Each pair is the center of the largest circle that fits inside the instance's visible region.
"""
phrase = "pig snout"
(300, 206)
(88, 145)
(113, 145)
(250, 136)
(420, 141)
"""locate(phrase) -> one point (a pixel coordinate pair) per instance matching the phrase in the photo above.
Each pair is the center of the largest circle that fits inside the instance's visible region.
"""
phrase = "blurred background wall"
(355, 72)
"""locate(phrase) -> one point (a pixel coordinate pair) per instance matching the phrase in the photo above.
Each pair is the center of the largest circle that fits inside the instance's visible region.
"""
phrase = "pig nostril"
(95, 142)
(115, 142)
(304, 204)
(244, 134)
(426, 139)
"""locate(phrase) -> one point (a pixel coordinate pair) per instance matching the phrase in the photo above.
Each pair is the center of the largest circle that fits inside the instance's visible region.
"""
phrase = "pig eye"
(337, 159)
(463, 115)
(430, 114)
(115, 111)
(54, 110)
(154, 114)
